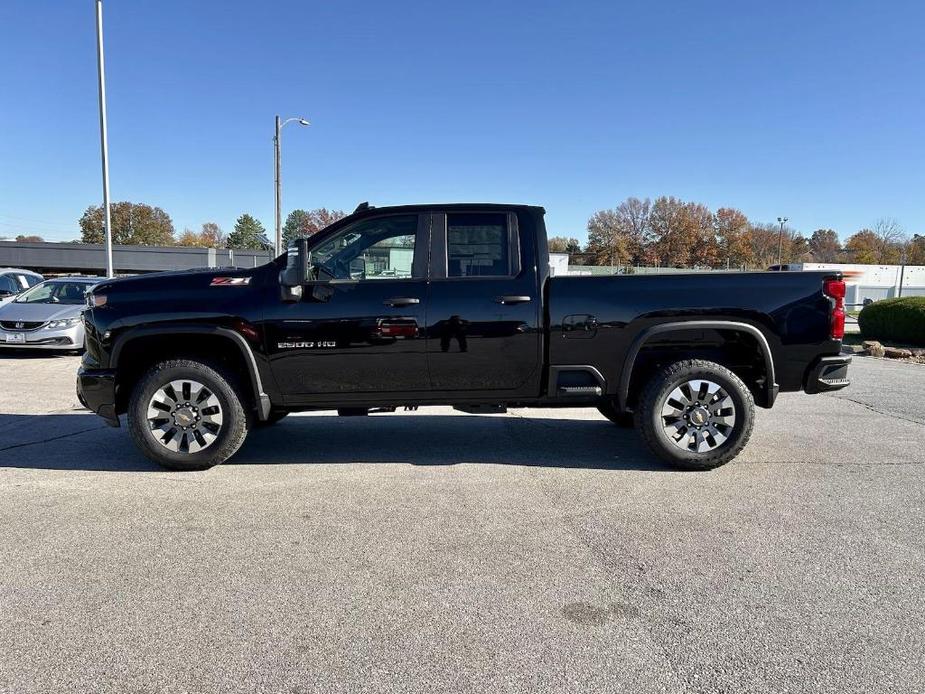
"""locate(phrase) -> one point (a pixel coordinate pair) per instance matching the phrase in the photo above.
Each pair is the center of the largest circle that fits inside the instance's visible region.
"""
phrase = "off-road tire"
(222, 384)
(655, 394)
(622, 419)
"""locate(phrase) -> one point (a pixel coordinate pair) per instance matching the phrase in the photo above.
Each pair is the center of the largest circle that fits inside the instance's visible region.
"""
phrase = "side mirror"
(297, 271)
(298, 265)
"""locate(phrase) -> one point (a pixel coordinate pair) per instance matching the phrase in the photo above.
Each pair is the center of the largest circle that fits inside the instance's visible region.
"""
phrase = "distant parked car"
(47, 316)
(13, 281)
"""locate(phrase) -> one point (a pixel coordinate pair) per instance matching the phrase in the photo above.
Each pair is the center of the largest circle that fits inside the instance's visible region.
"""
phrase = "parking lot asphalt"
(542, 550)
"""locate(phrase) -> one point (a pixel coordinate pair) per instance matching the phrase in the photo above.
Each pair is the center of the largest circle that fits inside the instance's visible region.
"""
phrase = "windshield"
(55, 293)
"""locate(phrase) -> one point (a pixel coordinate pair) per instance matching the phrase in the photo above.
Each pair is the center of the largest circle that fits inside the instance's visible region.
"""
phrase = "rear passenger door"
(483, 309)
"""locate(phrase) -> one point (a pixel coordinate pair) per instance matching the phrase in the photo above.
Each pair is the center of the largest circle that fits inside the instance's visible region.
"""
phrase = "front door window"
(376, 249)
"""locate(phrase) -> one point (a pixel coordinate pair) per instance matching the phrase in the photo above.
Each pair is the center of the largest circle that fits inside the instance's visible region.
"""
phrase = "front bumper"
(96, 390)
(826, 374)
(42, 338)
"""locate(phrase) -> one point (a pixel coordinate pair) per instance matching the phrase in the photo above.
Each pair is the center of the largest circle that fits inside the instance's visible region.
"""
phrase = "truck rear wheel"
(695, 414)
(186, 415)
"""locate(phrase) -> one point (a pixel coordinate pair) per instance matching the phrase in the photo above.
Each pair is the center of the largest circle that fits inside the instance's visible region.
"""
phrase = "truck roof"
(364, 209)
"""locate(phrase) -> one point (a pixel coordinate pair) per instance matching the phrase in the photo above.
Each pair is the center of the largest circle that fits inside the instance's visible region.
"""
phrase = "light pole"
(780, 241)
(279, 182)
(104, 146)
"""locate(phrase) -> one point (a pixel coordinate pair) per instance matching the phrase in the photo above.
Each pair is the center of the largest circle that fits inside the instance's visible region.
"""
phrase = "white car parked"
(14, 281)
(47, 316)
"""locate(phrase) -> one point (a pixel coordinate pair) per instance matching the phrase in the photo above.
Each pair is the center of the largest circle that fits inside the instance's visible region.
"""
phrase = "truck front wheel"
(186, 415)
(695, 414)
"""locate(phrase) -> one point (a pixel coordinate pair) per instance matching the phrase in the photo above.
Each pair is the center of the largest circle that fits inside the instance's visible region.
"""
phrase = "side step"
(580, 390)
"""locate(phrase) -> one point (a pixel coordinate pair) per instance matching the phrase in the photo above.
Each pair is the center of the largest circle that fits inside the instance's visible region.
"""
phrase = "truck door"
(484, 308)
(359, 328)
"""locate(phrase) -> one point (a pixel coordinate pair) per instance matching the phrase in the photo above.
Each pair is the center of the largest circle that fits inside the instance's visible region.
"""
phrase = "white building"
(874, 282)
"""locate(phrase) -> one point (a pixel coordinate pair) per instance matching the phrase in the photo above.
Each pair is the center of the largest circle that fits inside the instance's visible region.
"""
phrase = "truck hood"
(177, 279)
(39, 312)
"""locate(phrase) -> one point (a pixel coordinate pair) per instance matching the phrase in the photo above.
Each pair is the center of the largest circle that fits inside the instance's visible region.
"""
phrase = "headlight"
(63, 323)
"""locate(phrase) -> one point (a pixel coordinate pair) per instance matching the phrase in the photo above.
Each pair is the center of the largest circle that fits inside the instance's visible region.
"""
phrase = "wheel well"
(737, 351)
(141, 353)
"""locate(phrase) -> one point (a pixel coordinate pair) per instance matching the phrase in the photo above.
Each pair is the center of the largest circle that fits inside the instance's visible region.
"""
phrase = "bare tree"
(890, 240)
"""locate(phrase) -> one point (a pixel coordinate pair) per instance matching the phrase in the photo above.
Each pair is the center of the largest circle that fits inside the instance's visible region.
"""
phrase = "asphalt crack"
(893, 415)
(50, 439)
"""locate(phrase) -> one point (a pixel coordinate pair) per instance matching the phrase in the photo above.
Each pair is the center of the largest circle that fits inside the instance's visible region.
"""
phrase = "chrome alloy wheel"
(698, 416)
(185, 416)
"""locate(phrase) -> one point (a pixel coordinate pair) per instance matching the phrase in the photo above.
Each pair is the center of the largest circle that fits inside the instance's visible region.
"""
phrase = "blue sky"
(812, 110)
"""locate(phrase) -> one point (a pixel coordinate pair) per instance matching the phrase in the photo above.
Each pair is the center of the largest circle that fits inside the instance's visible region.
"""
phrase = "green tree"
(307, 222)
(825, 246)
(246, 234)
(23, 238)
(133, 224)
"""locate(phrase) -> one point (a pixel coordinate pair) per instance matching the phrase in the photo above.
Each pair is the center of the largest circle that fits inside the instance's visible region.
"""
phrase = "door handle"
(512, 299)
(396, 301)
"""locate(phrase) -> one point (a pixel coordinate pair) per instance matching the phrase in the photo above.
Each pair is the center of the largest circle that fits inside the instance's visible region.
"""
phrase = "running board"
(581, 390)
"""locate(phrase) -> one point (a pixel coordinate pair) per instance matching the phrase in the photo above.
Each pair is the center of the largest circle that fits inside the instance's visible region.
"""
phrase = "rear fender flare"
(630, 361)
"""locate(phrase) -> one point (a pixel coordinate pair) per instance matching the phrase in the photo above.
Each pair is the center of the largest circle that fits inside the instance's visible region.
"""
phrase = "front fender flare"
(260, 397)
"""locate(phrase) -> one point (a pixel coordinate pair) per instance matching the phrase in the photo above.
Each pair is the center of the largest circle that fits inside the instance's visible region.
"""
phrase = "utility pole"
(104, 146)
(780, 241)
(277, 152)
(279, 189)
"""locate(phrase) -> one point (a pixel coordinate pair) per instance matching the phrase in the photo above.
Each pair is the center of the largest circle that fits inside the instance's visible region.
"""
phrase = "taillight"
(835, 289)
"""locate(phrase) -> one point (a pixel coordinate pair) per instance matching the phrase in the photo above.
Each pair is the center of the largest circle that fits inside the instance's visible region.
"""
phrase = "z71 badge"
(229, 281)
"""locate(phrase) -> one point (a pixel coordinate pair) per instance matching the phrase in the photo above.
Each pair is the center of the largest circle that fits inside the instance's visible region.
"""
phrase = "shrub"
(899, 320)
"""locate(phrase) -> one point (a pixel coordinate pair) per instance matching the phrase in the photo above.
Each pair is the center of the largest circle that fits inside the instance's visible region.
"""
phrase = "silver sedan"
(47, 316)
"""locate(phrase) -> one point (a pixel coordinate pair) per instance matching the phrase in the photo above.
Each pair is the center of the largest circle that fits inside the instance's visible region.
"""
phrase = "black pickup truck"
(452, 305)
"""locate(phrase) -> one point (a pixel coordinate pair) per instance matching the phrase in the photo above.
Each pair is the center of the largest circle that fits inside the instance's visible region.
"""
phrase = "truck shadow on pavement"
(80, 441)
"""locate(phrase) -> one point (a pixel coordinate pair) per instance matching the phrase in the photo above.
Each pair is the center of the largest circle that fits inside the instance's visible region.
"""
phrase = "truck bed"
(789, 308)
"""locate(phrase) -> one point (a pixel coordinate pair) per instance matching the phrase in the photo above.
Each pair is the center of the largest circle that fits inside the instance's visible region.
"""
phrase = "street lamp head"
(302, 121)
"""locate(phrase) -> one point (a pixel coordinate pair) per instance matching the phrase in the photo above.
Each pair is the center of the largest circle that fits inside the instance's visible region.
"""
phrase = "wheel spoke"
(185, 416)
(698, 415)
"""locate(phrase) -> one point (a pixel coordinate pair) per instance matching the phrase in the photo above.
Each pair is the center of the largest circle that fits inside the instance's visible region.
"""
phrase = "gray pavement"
(543, 550)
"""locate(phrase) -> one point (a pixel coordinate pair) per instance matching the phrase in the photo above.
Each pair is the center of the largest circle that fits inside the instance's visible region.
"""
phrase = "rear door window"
(478, 245)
